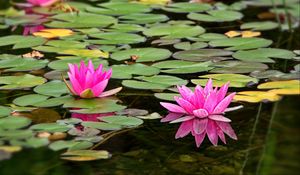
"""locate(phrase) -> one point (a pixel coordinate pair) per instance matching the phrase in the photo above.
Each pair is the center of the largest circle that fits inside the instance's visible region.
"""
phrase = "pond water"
(151, 48)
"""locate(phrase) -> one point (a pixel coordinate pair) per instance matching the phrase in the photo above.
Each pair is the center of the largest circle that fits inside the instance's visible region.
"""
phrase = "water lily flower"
(201, 113)
(87, 82)
(42, 3)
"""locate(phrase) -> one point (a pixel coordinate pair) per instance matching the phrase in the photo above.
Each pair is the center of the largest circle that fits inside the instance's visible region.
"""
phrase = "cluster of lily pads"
(149, 47)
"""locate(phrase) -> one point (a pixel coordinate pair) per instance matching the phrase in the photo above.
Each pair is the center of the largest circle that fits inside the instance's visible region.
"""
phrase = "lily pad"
(241, 43)
(263, 55)
(22, 81)
(260, 26)
(53, 88)
(127, 71)
(123, 120)
(20, 41)
(166, 96)
(116, 38)
(143, 18)
(236, 80)
(85, 155)
(189, 46)
(185, 7)
(216, 16)
(256, 96)
(16, 134)
(289, 84)
(70, 145)
(12, 122)
(174, 31)
(22, 64)
(225, 67)
(102, 126)
(142, 54)
(62, 65)
(4, 111)
(50, 127)
(201, 54)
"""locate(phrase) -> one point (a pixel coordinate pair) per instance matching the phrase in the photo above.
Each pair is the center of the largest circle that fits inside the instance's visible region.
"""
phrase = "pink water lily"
(42, 3)
(88, 82)
(201, 113)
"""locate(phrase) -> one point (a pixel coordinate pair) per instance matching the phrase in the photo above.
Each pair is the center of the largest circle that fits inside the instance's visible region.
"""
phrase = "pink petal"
(173, 108)
(185, 92)
(221, 135)
(75, 84)
(99, 88)
(91, 66)
(219, 118)
(211, 131)
(110, 92)
(220, 108)
(199, 126)
(186, 105)
(208, 87)
(199, 97)
(199, 138)
(184, 129)
(171, 116)
(222, 92)
(183, 119)
(210, 102)
(227, 129)
(201, 113)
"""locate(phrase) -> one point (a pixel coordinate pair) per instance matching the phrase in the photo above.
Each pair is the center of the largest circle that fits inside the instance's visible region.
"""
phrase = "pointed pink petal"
(110, 92)
(91, 66)
(183, 119)
(186, 105)
(185, 92)
(219, 118)
(171, 116)
(75, 84)
(222, 92)
(199, 138)
(208, 87)
(173, 108)
(227, 129)
(220, 108)
(99, 88)
(201, 113)
(199, 126)
(210, 102)
(221, 135)
(184, 129)
(211, 131)
(199, 97)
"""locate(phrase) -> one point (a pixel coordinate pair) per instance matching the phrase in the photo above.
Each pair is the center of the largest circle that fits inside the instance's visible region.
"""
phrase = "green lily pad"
(70, 145)
(20, 41)
(263, 55)
(143, 18)
(260, 26)
(16, 134)
(67, 44)
(52, 88)
(51, 102)
(12, 122)
(22, 81)
(201, 54)
(30, 100)
(126, 28)
(189, 46)
(4, 111)
(174, 31)
(226, 67)
(236, 80)
(116, 38)
(208, 37)
(185, 7)
(123, 120)
(119, 8)
(144, 85)
(241, 43)
(124, 71)
(216, 16)
(166, 96)
(102, 125)
(50, 127)
(163, 79)
(143, 54)
(22, 64)
(80, 20)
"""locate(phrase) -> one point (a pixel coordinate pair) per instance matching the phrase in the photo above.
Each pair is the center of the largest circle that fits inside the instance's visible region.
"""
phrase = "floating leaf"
(116, 38)
(263, 55)
(237, 67)
(23, 81)
(201, 54)
(240, 43)
(216, 16)
(30, 100)
(166, 96)
(12, 122)
(189, 46)
(52, 88)
(256, 96)
(50, 127)
(16, 134)
(86, 53)
(22, 64)
(63, 64)
(4, 111)
(260, 26)
(70, 145)
(183, 67)
(290, 87)
(102, 125)
(174, 31)
(185, 7)
(143, 18)
(126, 71)
(122, 120)
(236, 80)
(143, 54)
(85, 155)
(53, 33)
(20, 41)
